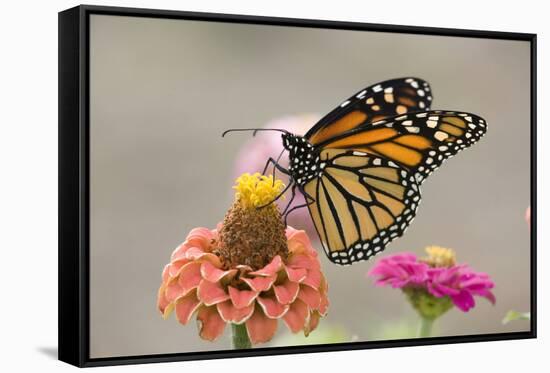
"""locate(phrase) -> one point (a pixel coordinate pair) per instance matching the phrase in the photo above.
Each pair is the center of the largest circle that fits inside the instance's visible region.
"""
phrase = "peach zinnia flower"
(249, 272)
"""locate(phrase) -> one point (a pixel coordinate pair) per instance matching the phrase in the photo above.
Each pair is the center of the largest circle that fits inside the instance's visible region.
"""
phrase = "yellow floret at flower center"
(257, 190)
(440, 256)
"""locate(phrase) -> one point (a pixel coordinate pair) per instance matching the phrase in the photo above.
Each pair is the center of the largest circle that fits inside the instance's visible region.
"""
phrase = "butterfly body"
(305, 163)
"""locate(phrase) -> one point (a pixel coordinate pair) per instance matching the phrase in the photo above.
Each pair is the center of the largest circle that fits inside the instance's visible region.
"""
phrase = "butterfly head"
(303, 159)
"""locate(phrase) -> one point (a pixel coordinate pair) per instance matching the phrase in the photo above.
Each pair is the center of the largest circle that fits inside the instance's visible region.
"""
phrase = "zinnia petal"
(165, 273)
(201, 238)
(260, 328)
(186, 306)
(313, 322)
(489, 296)
(323, 307)
(173, 290)
(296, 274)
(197, 254)
(179, 252)
(213, 274)
(303, 261)
(242, 298)
(270, 269)
(296, 316)
(286, 292)
(175, 267)
(189, 276)
(260, 283)
(271, 307)
(463, 300)
(298, 242)
(211, 292)
(313, 279)
(211, 325)
(162, 302)
(232, 314)
(310, 296)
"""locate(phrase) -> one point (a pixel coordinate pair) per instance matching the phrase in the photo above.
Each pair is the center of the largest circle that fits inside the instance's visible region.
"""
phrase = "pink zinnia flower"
(250, 271)
(437, 276)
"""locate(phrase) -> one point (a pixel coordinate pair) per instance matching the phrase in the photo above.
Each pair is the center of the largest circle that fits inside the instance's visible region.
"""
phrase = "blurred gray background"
(162, 91)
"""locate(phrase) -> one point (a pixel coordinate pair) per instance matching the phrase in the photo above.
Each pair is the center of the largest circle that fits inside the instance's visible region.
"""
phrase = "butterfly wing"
(368, 191)
(418, 142)
(361, 203)
(379, 101)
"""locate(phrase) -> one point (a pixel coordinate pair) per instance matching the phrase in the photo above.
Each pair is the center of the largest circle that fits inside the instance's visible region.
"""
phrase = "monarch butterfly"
(361, 166)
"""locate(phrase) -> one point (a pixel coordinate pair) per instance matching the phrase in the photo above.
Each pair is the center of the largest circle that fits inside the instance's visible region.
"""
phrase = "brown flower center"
(251, 236)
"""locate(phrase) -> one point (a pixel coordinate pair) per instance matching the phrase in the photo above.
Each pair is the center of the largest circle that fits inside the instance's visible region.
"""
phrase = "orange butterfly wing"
(379, 101)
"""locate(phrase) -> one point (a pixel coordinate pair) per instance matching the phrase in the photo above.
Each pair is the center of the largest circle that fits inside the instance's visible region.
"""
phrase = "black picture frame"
(74, 181)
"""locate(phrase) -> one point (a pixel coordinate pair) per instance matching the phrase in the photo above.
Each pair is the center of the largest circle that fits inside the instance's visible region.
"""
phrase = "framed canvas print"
(232, 186)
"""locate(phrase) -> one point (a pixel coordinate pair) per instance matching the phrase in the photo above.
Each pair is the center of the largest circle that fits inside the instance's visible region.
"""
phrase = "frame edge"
(69, 222)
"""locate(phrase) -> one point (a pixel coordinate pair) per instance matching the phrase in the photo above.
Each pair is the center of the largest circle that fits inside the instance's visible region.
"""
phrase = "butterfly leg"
(296, 208)
(291, 199)
(276, 162)
(287, 212)
(306, 195)
(275, 165)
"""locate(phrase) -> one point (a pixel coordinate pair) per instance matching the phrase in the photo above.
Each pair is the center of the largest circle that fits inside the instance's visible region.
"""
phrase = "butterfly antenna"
(253, 129)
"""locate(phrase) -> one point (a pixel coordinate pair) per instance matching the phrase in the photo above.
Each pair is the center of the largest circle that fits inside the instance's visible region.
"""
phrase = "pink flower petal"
(168, 310)
(232, 314)
(463, 300)
(269, 270)
(303, 261)
(286, 292)
(213, 274)
(299, 243)
(260, 283)
(179, 252)
(489, 296)
(175, 267)
(189, 276)
(296, 316)
(313, 279)
(211, 292)
(197, 254)
(272, 308)
(242, 298)
(200, 237)
(162, 302)
(296, 275)
(165, 273)
(260, 328)
(323, 307)
(194, 253)
(310, 296)
(186, 306)
(173, 290)
(211, 325)
(312, 323)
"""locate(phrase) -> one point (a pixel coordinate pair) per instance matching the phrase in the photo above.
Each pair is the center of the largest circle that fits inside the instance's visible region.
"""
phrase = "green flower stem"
(240, 337)
(426, 325)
